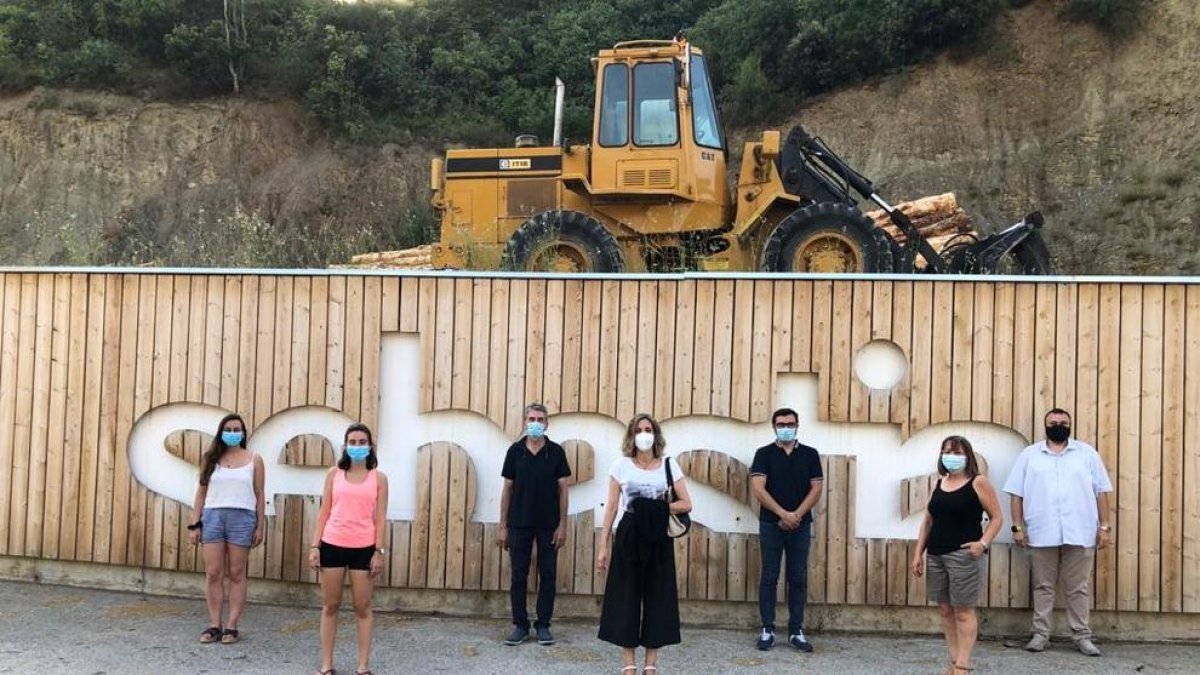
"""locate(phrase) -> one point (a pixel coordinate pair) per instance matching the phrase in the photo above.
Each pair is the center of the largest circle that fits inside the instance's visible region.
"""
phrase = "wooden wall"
(83, 356)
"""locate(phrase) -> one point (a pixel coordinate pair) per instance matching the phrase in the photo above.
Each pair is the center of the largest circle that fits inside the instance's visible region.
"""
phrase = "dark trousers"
(641, 603)
(520, 547)
(775, 543)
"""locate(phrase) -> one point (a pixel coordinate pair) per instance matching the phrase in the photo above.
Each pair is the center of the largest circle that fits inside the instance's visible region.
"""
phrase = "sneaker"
(518, 635)
(766, 640)
(1036, 644)
(1086, 647)
(543, 635)
(800, 642)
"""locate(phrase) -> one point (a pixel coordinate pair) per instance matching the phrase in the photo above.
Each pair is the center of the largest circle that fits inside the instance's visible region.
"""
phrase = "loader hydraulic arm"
(809, 168)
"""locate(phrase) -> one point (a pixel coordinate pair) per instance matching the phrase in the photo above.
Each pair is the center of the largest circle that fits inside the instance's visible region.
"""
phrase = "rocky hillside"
(1102, 135)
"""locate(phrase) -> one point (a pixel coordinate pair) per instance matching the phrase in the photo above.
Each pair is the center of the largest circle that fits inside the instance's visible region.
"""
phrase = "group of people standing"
(1058, 492)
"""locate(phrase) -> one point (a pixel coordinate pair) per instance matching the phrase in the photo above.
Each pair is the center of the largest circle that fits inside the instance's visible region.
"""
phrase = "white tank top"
(232, 488)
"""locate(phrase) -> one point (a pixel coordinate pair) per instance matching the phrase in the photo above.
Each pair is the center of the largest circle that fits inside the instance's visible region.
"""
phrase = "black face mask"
(1058, 434)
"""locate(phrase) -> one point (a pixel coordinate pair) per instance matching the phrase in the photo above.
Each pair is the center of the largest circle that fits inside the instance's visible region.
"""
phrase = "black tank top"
(957, 518)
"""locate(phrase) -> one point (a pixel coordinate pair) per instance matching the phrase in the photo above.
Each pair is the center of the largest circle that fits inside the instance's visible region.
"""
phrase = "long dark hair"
(959, 443)
(216, 449)
(344, 462)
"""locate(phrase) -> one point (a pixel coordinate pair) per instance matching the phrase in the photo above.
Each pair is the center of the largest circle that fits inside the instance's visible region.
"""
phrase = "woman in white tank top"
(228, 518)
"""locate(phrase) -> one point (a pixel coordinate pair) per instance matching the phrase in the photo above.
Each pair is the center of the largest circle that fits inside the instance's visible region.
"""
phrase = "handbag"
(678, 524)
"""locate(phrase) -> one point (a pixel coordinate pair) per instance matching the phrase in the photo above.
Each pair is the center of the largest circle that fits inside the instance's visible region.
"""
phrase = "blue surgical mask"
(358, 453)
(954, 463)
(232, 438)
(535, 429)
(785, 434)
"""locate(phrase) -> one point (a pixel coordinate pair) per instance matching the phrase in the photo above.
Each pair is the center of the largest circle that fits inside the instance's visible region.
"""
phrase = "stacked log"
(419, 258)
(938, 218)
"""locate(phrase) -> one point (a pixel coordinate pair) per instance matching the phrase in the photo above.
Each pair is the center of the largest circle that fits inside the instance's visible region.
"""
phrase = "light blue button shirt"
(1058, 493)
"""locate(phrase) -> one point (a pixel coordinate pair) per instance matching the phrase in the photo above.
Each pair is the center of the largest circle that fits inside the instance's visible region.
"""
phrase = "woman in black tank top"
(953, 536)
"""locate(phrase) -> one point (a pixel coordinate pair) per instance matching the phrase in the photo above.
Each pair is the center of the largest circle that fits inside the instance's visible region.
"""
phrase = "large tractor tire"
(563, 241)
(827, 238)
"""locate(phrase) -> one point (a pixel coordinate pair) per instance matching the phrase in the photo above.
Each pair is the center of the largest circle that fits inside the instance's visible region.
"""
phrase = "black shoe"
(766, 640)
(518, 635)
(798, 641)
(543, 635)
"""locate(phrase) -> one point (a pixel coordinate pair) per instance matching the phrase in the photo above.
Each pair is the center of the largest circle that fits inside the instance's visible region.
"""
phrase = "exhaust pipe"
(559, 92)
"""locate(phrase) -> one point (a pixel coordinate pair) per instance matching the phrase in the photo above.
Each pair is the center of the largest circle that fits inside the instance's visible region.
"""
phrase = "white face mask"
(644, 441)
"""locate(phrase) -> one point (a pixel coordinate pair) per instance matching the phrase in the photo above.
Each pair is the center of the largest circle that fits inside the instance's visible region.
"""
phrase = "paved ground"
(49, 629)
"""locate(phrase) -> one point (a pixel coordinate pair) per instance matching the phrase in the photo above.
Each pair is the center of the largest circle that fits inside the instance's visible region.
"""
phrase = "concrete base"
(993, 622)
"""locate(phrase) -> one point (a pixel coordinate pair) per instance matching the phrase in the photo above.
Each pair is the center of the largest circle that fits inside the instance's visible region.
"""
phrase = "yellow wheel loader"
(650, 193)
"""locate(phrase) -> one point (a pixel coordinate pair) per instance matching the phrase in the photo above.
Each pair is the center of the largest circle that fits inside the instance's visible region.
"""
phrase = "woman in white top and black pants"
(228, 517)
(641, 605)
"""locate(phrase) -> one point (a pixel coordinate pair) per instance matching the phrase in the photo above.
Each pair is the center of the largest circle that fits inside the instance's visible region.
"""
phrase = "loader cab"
(657, 138)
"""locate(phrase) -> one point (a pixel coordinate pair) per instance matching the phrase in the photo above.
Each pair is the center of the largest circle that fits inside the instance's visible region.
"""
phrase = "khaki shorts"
(955, 578)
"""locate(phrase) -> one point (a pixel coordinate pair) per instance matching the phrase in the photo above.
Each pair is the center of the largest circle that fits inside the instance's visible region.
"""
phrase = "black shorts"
(340, 556)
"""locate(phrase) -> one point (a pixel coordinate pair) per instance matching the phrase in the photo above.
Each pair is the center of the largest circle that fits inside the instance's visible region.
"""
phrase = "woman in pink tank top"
(350, 534)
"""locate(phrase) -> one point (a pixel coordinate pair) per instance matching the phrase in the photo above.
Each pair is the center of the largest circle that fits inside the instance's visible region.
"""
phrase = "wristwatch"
(1105, 528)
(196, 525)
(1017, 528)
(382, 551)
(985, 546)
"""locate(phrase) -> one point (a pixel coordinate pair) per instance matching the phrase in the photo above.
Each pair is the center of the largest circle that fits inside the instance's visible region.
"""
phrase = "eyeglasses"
(787, 425)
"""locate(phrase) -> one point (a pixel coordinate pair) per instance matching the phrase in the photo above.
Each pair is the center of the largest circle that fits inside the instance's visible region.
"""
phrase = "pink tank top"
(351, 521)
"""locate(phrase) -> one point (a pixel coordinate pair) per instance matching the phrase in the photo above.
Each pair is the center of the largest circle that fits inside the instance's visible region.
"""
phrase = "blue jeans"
(774, 542)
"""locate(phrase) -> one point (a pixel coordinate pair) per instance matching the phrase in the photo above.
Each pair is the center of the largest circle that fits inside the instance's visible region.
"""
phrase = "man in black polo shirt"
(786, 479)
(533, 507)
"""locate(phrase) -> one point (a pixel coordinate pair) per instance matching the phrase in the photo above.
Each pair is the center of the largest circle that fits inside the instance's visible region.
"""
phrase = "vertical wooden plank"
(856, 554)
(964, 322)
(457, 495)
(245, 396)
(876, 572)
(697, 564)
(264, 377)
(55, 418)
(1066, 344)
(841, 374)
(942, 364)
(860, 335)
(39, 421)
(584, 552)
(177, 551)
(389, 297)
(114, 549)
(401, 550)
(1045, 348)
(898, 572)
(1087, 343)
(517, 335)
(352, 372)
(818, 553)
(983, 339)
(535, 344)
(762, 380)
(837, 530)
(591, 348)
(1004, 353)
(409, 304)
(147, 290)
(701, 403)
(735, 564)
(664, 350)
(418, 557)
(318, 346)
(473, 557)
(573, 344)
(741, 363)
(717, 563)
(1173, 449)
(491, 557)
(902, 335)
(439, 506)
(627, 345)
(685, 345)
(823, 315)
(781, 328)
(552, 358)
(481, 327)
(1108, 429)
(283, 554)
(1191, 456)
(1129, 457)
(459, 344)
(8, 390)
(22, 431)
(879, 401)
(1024, 355)
(73, 415)
(107, 465)
(372, 334)
(498, 366)
(1150, 489)
(723, 317)
(427, 324)
(802, 327)
(335, 348)
(921, 392)
(215, 324)
(647, 334)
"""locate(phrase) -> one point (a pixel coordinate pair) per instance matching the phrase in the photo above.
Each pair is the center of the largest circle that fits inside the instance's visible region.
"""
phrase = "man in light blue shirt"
(1059, 497)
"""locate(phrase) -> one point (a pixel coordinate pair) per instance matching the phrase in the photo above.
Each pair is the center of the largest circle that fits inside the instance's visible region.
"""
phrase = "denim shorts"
(235, 526)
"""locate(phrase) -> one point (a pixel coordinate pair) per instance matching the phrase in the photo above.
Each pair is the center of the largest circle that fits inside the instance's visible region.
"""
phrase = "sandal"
(962, 669)
(647, 669)
(211, 634)
(331, 671)
(626, 669)
(229, 636)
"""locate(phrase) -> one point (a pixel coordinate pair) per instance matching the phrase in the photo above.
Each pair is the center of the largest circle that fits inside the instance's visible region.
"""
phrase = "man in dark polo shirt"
(533, 508)
(786, 479)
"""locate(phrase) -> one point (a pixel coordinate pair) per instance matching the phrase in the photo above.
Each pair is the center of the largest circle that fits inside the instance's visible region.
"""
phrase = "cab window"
(614, 106)
(655, 113)
(704, 107)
